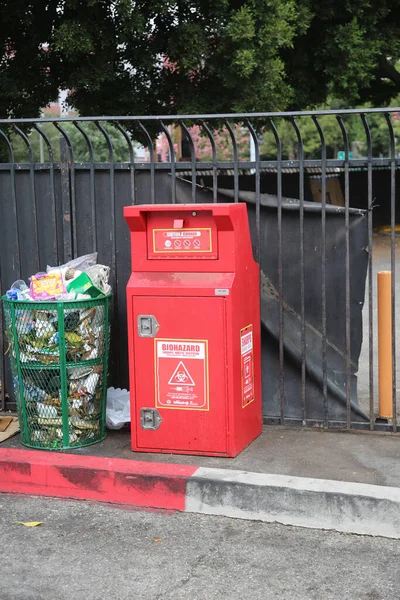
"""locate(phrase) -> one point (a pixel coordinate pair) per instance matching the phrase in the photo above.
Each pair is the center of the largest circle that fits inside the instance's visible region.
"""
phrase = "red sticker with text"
(182, 374)
(182, 240)
(247, 365)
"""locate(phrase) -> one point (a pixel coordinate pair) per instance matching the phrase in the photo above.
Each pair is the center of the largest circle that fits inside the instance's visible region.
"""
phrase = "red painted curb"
(114, 480)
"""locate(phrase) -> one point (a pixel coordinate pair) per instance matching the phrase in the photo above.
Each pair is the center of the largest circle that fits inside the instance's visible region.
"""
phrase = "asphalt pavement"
(85, 551)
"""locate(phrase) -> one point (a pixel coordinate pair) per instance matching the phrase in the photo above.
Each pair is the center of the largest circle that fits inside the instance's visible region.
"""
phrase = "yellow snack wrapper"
(45, 286)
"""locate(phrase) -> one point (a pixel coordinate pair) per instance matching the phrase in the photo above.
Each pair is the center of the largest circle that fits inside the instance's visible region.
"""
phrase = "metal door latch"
(147, 326)
(150, 418)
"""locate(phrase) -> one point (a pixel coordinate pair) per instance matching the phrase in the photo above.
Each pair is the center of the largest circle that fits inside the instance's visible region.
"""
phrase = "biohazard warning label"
(182, 240)
(246, 348)
(181, 374)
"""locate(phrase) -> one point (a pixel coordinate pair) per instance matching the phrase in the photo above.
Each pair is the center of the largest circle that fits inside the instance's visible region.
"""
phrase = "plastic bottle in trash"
(19, 291)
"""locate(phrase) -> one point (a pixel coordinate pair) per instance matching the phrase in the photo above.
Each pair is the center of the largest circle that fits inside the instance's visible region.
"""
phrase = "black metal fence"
(320, 188)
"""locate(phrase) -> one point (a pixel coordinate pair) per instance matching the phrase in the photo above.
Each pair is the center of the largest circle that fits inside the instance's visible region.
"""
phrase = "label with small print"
(247, 364)
(182, 240)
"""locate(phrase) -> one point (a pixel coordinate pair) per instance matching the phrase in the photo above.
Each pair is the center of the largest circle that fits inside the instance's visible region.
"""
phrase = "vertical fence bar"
(131, 159)
(65, 201)
(235, 162)
(67, 162)
(113, 231)
(257, 189)
(370, 275)
(112, 204)
(172, 161)
(71, 171)
(347, 274)
(152, 168)
(193, 160)
(53, 208)
(393, 258)
(214, 159)
(16, 258)
(323, 272)
(302, 272)
(280, 269)
(92, 185)
(33, 192)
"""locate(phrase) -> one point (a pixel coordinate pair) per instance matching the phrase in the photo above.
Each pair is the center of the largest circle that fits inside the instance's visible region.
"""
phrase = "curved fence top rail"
(255, 115)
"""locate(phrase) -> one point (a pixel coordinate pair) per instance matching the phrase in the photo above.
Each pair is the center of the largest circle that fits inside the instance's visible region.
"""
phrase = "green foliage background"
(197, 56)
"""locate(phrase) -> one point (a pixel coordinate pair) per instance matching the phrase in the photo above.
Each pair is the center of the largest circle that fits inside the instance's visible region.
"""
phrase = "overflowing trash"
(58, 333)
(78, 279)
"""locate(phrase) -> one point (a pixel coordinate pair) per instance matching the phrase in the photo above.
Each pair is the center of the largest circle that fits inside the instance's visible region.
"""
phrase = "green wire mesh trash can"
(59, 362)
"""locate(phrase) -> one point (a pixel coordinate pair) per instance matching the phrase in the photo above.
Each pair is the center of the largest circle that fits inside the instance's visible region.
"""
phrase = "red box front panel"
(182, 373)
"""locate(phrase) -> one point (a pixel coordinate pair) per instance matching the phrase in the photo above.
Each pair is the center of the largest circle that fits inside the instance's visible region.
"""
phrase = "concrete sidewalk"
(328, 480)
(360, 457)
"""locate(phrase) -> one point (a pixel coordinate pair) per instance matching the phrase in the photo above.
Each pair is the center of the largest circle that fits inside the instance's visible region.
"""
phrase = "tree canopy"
(193, 56)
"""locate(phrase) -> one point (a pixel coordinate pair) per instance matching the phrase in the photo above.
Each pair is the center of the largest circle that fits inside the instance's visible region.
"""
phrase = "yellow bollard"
(385, 344)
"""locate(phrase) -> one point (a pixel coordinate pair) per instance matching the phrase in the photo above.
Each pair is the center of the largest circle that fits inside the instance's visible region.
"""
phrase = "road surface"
(86, 551)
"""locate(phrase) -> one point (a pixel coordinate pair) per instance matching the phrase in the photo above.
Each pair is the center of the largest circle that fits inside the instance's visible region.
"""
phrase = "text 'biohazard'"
(182, 374)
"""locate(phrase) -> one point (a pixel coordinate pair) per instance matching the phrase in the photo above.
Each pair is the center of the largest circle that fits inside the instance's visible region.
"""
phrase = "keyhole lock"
(150, 418)
(147, 326)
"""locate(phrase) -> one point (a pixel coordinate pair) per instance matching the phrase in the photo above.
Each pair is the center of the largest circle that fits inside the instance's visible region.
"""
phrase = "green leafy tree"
(165, 56)
(190, 56)
(350, 50)
(29, 71)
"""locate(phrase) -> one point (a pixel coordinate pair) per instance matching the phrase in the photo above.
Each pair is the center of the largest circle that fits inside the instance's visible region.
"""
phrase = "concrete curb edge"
(299, 501)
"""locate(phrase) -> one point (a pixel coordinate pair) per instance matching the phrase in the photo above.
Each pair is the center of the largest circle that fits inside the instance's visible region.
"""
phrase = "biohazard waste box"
(193, 329)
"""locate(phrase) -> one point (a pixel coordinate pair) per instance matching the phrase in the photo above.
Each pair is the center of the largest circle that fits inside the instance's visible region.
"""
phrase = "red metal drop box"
(193, 306)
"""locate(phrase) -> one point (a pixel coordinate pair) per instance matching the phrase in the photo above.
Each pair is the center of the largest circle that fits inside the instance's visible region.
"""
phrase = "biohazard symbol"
(181, 376)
